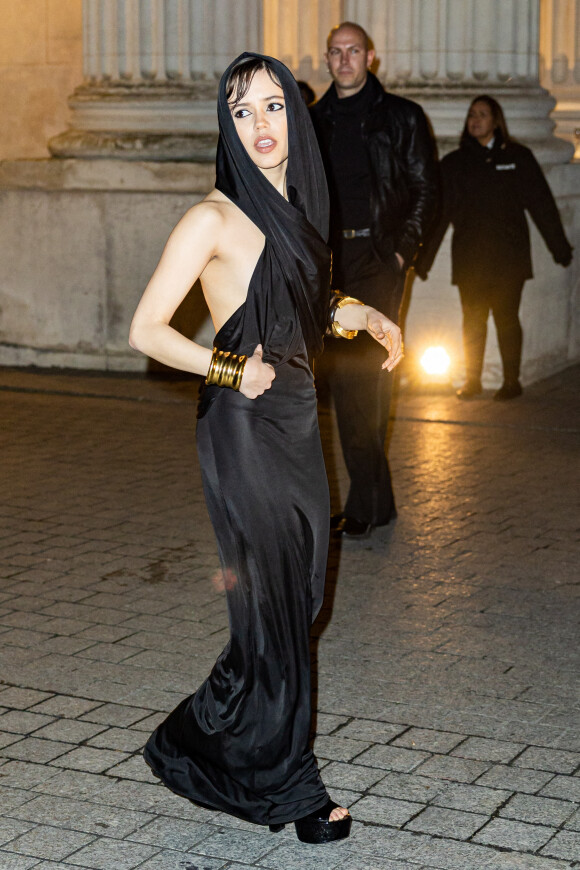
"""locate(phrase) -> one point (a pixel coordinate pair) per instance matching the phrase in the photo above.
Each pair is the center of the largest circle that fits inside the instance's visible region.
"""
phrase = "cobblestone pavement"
(446, 655)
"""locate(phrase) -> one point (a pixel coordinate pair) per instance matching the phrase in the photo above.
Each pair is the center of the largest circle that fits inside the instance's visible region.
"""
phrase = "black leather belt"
(357, 234)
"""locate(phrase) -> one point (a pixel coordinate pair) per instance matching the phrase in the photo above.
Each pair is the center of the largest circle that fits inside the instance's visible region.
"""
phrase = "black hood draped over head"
(296, 229)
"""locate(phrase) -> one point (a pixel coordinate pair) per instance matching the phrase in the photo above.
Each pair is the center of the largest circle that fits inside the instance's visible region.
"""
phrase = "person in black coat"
(487, 185)
(379, 159)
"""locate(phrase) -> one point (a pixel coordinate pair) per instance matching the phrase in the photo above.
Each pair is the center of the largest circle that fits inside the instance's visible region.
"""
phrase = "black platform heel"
(317, 827)
(275, 829)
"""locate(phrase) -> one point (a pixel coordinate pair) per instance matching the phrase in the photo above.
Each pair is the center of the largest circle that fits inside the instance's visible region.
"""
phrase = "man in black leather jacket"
(381, 170)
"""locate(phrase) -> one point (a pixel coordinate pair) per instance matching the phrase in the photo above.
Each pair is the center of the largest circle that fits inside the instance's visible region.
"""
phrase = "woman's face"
(480, 123)
(260, 119)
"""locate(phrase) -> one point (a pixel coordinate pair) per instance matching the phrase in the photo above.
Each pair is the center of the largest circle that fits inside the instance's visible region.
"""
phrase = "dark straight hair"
(240, 78)
(499, 122)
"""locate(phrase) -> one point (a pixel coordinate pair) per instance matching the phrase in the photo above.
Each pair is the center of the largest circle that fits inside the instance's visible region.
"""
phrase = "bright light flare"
(436, 361)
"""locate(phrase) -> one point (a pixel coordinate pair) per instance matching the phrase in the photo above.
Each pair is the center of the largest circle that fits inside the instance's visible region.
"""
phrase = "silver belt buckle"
(349, 234)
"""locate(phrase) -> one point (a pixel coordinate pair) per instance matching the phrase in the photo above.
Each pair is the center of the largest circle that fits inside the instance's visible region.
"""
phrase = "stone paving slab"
(447, 687)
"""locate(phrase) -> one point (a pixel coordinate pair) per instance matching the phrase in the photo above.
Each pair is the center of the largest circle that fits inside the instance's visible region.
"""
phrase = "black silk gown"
(240, 743)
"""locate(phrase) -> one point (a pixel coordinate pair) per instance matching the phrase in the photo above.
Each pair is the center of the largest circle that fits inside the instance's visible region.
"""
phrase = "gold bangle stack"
(226, 369)
(339, 301)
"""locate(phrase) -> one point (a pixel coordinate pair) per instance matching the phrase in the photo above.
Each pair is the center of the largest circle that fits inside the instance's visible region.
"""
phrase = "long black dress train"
(240, 743)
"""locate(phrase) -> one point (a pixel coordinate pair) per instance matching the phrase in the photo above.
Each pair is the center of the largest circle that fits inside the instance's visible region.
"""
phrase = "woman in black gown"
(257, 243)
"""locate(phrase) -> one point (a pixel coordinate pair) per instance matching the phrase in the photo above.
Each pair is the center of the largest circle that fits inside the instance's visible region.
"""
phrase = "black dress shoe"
(351, 528)
(392, 516)
(510, 390)
(335, 521)
(469, 390)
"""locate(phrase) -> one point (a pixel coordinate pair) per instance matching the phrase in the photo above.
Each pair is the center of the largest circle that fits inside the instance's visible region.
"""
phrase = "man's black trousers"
(361, 391)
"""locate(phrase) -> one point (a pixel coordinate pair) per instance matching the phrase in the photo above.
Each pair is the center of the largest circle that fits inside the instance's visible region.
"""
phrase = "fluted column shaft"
(560, 43)
(452, 41)
(166, 40)
(560, 64)
(295, 31)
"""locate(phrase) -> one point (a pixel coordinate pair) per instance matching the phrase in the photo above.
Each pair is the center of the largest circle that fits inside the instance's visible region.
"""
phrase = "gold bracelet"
(339, 301)
(226, 369)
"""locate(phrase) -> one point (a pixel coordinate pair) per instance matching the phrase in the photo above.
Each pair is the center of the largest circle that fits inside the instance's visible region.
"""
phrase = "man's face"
(348, 61)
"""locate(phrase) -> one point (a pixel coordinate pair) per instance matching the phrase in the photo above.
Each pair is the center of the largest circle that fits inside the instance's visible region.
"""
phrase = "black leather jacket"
(403, 164)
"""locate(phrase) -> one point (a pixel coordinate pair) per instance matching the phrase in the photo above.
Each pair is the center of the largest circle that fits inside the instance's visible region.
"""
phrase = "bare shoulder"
(208, 214)
(199, 229)
(210, 217)
(224, 209)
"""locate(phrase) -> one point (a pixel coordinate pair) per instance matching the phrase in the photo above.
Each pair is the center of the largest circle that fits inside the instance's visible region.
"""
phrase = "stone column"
(442, 53)
(151, 72)
(295, 31)
(560, 64)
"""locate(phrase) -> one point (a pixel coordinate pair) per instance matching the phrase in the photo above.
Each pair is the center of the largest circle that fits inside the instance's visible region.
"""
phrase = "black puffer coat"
(486, 192)
(404, 171)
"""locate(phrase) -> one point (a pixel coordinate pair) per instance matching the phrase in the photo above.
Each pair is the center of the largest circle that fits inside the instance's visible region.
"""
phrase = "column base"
(171, 122)
(161, 147)
(526, 107)
(567, 118)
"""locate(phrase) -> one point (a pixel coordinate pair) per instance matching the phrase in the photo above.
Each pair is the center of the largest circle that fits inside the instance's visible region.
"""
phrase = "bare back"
(214, 242)
(227, 275)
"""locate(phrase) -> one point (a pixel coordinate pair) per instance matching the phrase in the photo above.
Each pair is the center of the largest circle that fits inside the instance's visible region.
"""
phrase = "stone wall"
(79, 240)
(40, 66)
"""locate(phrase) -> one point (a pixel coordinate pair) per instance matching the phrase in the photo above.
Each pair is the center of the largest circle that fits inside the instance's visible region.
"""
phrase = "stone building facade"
(41, 63)
(91, 192)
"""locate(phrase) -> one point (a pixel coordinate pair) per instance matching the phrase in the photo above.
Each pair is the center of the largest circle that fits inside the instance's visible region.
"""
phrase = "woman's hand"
(258, 376)
(386, 333)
